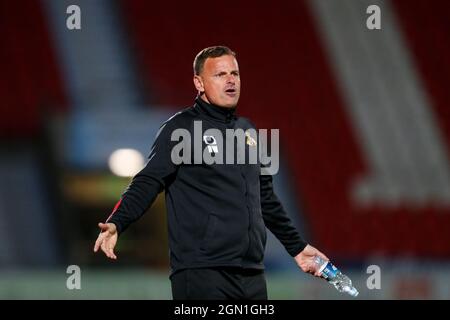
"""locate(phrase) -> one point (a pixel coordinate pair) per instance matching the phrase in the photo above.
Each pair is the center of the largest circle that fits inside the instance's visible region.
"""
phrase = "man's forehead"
(226, 62)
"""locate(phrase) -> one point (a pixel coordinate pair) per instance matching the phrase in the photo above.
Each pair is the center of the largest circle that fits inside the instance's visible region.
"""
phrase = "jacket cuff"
(297, 249)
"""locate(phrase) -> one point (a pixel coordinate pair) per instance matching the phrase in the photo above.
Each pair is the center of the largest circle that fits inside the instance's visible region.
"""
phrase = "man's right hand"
(107, 239)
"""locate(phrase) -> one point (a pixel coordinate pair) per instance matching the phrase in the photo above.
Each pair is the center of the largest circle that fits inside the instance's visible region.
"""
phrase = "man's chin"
(230, 105)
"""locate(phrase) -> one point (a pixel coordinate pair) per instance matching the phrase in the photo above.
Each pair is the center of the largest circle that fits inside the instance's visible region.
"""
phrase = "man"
(217, 213)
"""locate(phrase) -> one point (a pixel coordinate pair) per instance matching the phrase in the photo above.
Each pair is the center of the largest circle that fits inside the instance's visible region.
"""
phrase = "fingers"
(307, 267)
(103, 241)
(111, 253)
(105, 251)
(320, 254)
(98, 242)
(108, 250)
(306, 262)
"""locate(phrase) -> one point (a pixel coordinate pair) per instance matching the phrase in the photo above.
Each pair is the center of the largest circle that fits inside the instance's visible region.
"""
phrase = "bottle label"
(329, 271)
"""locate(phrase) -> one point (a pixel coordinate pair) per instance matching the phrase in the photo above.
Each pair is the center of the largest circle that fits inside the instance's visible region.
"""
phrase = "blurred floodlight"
(126, 162)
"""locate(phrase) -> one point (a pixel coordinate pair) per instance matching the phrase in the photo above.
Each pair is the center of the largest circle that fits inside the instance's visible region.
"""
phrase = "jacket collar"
(213, 111)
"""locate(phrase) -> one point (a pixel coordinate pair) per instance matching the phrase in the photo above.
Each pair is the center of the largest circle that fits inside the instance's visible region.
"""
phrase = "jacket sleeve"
(148, 183)
(277, 220)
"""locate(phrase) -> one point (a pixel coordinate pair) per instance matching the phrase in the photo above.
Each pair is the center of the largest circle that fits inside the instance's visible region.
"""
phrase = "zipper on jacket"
(249, 213)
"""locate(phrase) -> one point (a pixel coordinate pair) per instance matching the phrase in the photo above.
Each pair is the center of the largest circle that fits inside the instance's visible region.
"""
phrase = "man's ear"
(198, 83)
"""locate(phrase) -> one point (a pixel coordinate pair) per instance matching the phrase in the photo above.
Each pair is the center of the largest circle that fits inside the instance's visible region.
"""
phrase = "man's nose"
(231, 79)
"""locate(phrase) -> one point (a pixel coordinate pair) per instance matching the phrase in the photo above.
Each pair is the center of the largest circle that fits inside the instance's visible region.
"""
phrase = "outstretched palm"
(107, 239)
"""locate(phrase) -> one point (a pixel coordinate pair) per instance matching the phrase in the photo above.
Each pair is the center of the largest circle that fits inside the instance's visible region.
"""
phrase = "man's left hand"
(305, 260)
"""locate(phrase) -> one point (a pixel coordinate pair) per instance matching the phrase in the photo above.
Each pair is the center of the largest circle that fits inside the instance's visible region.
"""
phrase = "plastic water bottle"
(334, 276)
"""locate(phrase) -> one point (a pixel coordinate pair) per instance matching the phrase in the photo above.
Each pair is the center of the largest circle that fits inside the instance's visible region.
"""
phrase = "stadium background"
(364, 121)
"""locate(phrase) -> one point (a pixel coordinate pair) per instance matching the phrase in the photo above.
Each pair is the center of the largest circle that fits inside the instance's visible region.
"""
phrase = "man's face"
(219, 81)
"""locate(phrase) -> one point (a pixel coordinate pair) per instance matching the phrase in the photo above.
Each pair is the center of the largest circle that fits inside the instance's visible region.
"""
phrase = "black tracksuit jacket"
(217, 214)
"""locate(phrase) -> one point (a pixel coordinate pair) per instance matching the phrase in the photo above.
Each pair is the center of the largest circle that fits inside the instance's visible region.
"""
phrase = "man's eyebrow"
(224, 72)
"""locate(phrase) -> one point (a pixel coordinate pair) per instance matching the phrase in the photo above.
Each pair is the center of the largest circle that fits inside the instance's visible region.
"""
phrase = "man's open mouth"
(230, 92)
